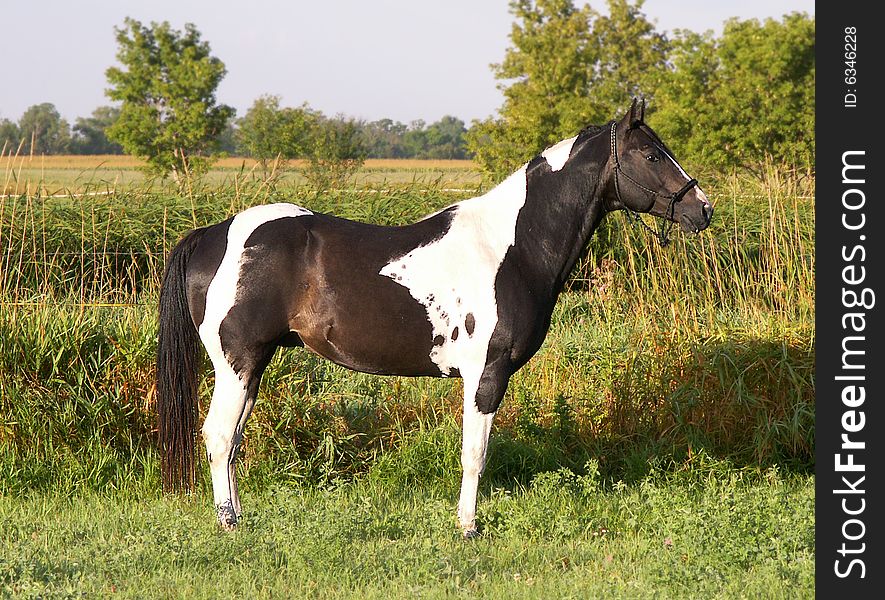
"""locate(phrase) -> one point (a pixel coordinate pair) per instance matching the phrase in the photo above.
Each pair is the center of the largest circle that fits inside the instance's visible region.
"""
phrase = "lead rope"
(662, 234)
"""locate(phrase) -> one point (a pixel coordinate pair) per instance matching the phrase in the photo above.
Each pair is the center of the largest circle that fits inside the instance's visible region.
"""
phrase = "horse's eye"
(652, 157)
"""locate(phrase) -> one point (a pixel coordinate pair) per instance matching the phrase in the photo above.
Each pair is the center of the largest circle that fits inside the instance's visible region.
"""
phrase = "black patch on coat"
(469, 324)
(202, 267)
(455, 334)
(493, 382)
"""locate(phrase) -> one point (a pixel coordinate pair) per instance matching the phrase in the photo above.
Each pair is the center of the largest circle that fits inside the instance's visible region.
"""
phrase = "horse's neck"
(562, 242)
(548, 225)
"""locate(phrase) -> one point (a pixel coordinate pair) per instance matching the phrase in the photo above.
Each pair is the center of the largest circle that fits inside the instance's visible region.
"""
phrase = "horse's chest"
(453, 278)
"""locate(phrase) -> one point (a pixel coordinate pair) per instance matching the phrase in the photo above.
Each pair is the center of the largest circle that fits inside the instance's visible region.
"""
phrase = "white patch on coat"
(702, 196)
(455, 275)
(222, 290)
(558, 154)
(698, 191)
(678, 166)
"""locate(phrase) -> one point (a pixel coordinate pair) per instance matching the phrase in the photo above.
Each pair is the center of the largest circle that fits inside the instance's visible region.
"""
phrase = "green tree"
(90, 133)
(268, 131)
(337, 152)
(744, 98)
(227, 143)
(441, 140)
(169, 115)
(10, 137)
(44, 131)
(414, 139)
(384, 139)
(567, 67)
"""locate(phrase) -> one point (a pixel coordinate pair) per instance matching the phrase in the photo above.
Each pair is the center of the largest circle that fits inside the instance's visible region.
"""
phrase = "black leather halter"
(662, 234)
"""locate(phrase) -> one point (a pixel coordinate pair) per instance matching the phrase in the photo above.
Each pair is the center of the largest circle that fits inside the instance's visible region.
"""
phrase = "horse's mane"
(591, 130)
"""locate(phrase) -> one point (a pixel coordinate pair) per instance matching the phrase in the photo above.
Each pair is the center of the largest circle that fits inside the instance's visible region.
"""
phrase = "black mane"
(591, 130)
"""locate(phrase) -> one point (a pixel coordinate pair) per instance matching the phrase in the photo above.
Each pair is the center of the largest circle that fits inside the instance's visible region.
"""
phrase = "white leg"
(227, 410)
(476, 428)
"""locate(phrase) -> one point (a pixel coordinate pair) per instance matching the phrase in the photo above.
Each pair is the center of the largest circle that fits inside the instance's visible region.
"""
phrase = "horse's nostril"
(708, 211)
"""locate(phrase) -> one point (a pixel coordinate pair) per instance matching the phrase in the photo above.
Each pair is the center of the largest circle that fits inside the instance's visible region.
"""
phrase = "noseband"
(662, 234)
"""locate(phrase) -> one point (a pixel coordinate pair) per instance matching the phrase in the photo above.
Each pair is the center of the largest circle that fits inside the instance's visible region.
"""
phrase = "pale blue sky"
(402, 59)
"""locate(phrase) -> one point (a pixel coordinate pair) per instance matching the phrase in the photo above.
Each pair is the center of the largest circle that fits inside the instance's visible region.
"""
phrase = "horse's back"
(272, 273)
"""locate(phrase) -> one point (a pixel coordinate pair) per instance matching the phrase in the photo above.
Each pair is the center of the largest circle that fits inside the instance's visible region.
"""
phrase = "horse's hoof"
(471, 533)
(228, 526)
(227, 517)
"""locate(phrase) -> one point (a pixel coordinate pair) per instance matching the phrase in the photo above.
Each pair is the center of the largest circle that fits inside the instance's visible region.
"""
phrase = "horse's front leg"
(482, 395)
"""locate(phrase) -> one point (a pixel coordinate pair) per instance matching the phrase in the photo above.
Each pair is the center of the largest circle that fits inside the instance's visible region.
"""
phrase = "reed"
(655, 355)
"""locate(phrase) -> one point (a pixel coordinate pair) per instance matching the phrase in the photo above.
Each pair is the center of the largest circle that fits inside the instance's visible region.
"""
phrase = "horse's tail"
(178, 367)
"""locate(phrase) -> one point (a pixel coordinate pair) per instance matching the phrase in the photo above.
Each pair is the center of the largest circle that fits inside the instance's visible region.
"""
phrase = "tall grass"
(655, 356)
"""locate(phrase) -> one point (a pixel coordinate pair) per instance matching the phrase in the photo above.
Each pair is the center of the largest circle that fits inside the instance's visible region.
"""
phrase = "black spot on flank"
(470, 323)
(439, 340)
(454, 334)
(458, 300)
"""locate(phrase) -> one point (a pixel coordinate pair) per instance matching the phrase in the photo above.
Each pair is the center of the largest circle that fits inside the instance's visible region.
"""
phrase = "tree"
(10, 137)
(337, 152)
(169, 115)
(268, 131)
(414, 139)
(441, 140)
(567, 68)
(90, 133)
(384, 139)
(445, 139)
(744, 98)
(227, 142)
(44, 131)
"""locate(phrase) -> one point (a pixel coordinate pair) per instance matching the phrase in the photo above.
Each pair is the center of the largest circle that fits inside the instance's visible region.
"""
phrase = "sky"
(370, 59)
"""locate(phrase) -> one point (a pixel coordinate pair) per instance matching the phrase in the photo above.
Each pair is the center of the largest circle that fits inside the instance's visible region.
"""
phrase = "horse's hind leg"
(232, 401)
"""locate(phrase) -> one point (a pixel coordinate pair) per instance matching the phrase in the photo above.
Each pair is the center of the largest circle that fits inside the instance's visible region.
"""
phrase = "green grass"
(708, 531)
(672, 400)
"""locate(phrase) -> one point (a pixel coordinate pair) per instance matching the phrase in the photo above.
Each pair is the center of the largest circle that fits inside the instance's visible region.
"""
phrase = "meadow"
(660, 444)
(62, 174)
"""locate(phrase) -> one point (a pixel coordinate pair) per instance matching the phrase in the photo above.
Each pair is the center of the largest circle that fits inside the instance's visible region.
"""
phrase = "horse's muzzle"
(695, 220)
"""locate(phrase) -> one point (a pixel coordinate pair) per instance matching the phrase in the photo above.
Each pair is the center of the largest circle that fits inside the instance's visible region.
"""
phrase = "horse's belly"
(357, 342)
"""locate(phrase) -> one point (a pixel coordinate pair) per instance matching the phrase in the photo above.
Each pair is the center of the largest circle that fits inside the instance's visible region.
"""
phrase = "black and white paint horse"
(467, 292)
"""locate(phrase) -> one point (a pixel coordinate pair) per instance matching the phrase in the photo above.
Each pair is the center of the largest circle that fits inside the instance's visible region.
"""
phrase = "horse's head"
(645, 177)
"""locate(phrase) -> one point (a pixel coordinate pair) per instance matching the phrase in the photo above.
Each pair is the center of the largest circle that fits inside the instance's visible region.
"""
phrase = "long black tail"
(178, 369)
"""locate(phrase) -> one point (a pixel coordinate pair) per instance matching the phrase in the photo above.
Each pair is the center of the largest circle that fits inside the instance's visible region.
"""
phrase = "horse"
(466, 292)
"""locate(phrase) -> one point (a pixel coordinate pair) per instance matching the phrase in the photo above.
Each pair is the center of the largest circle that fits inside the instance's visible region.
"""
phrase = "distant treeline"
(739, 100)
(266, 131)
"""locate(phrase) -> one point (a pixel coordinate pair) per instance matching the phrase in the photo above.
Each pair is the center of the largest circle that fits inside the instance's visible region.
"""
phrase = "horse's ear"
(634, 115)
(642, 111)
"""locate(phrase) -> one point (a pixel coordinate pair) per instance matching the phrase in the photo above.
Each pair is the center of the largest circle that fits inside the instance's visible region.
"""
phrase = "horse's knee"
(473, 460)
